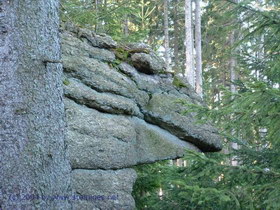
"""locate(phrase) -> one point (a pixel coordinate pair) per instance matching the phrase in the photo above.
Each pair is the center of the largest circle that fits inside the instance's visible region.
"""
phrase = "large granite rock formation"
(120, 115)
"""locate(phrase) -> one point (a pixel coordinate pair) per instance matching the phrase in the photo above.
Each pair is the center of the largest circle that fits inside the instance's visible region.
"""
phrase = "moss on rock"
(179, 83)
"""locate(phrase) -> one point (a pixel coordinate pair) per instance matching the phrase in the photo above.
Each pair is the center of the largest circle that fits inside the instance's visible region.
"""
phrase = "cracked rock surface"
(121, 114)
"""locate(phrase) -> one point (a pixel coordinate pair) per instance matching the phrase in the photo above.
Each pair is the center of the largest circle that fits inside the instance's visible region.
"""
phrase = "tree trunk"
(32, 125)
(198, 59)
(189, 71)
(260, 52)
(176, 38)
(142, 15)
(96, 7)
(103, 6)
(232, 66)
(125, 26)
(166, 36)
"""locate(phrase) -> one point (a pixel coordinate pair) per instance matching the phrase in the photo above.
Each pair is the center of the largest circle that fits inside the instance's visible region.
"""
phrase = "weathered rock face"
(121, 115)
(110, 189)
(147, 63)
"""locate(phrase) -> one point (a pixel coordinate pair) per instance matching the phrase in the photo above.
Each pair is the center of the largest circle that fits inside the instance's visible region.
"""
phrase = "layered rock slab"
(104, 102)
(99, 140)
(148, 63)
(102, 78)
(121, 114)
(158, 111)
(78, 47)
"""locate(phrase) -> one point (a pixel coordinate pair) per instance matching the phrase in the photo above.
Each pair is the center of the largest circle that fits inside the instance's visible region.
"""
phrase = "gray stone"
(75, 47)
(144, 82)
(121, 115)
(130, 71)
(188, 90)
(154, 143)
(97, 40)
(97, 140)
(105, 41)
(163, 110)
(127, 91)
(103, 190)
(104, 102)
(104, 141)
(148, 63)
(136, 47)
(149, 83)
(101, 77)
(69, 27)
(157, 83)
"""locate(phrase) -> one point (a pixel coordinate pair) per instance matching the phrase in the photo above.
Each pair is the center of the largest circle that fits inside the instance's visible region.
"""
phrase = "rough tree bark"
(198, 59)
(189, 71)
(32, 126)
(166, 36)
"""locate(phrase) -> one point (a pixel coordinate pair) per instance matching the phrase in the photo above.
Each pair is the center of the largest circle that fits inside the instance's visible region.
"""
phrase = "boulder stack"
(122, 110)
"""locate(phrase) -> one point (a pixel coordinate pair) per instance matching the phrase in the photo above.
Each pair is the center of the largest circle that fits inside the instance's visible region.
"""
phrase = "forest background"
(240, 77)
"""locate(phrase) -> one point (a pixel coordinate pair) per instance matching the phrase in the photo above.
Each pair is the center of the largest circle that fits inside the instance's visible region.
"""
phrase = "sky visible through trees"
(237, 74)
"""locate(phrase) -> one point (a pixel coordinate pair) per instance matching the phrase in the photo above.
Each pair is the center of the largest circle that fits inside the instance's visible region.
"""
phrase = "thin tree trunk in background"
(260, 52)
(125, 27)
(198, 63)
(232, 61)
(32, 125)
(104, 10)
(232, 66)
(166, 36)
(142, 14)
(97, 14)
(193, 39)
(189, 71)
(176, 38)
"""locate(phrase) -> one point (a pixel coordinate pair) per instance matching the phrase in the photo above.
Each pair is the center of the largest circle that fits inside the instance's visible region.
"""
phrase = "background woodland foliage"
(249, 117)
